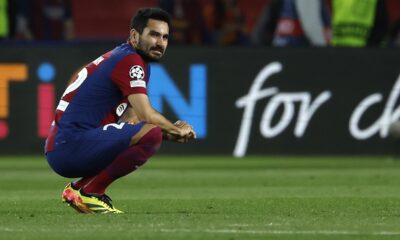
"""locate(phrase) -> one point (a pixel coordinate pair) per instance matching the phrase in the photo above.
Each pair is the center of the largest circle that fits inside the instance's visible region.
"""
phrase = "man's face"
(153, 41)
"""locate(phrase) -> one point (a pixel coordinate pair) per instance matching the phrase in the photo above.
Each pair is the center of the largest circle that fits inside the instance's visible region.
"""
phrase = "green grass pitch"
(213, 198)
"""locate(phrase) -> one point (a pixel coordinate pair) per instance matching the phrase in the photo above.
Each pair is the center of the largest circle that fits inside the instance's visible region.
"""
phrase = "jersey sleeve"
(131, 75)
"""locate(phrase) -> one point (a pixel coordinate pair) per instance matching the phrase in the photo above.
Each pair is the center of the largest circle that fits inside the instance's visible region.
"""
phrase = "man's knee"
(146, 128)
(152, 137)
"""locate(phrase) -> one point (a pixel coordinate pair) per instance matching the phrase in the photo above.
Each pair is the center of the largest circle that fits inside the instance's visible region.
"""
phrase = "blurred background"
(252, 76)
(209, 22)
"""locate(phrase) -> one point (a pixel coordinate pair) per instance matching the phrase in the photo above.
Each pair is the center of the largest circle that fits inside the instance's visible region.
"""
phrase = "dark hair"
(139, 21)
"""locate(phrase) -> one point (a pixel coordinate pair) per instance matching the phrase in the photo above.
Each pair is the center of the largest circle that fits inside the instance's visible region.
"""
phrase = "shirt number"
(82, 75)
(115, 125)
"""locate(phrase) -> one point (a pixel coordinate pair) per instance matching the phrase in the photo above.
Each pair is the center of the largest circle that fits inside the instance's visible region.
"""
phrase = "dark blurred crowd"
(353, 23)
(36, 20)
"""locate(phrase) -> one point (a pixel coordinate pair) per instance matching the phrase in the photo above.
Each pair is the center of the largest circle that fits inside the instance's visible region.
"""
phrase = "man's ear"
(134, 36)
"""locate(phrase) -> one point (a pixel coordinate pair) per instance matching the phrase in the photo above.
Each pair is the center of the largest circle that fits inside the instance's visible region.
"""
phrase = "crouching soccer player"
(104, 126)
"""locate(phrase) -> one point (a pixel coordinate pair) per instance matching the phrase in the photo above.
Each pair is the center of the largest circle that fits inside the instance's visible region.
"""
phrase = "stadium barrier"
(240, 100)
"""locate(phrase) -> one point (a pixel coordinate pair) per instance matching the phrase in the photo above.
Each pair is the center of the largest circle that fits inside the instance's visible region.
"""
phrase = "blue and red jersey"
(91, 99)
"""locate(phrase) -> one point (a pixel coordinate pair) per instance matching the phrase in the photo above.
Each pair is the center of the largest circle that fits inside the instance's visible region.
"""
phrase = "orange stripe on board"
(9, 72)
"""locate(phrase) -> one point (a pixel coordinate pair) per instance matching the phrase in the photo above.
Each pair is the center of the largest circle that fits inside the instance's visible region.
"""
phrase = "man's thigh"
(93, 150)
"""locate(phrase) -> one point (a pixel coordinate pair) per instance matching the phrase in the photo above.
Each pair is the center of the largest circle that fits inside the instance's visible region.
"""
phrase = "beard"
(145, 55)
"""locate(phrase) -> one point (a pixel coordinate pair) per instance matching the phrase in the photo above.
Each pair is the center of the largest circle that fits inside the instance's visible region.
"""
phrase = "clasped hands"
(187, 132)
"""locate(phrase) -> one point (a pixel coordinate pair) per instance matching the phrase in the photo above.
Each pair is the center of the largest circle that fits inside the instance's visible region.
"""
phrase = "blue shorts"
(90, 151)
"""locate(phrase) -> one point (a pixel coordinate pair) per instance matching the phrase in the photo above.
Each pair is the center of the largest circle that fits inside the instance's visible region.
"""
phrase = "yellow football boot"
(87, 203)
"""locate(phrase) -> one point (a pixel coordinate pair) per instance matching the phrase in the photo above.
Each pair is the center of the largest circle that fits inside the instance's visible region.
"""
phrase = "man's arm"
(146, 113)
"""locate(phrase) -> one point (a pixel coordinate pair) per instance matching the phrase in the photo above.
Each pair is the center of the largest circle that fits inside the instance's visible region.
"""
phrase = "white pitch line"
(6, 229)
(282, 232)
(230, 231)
